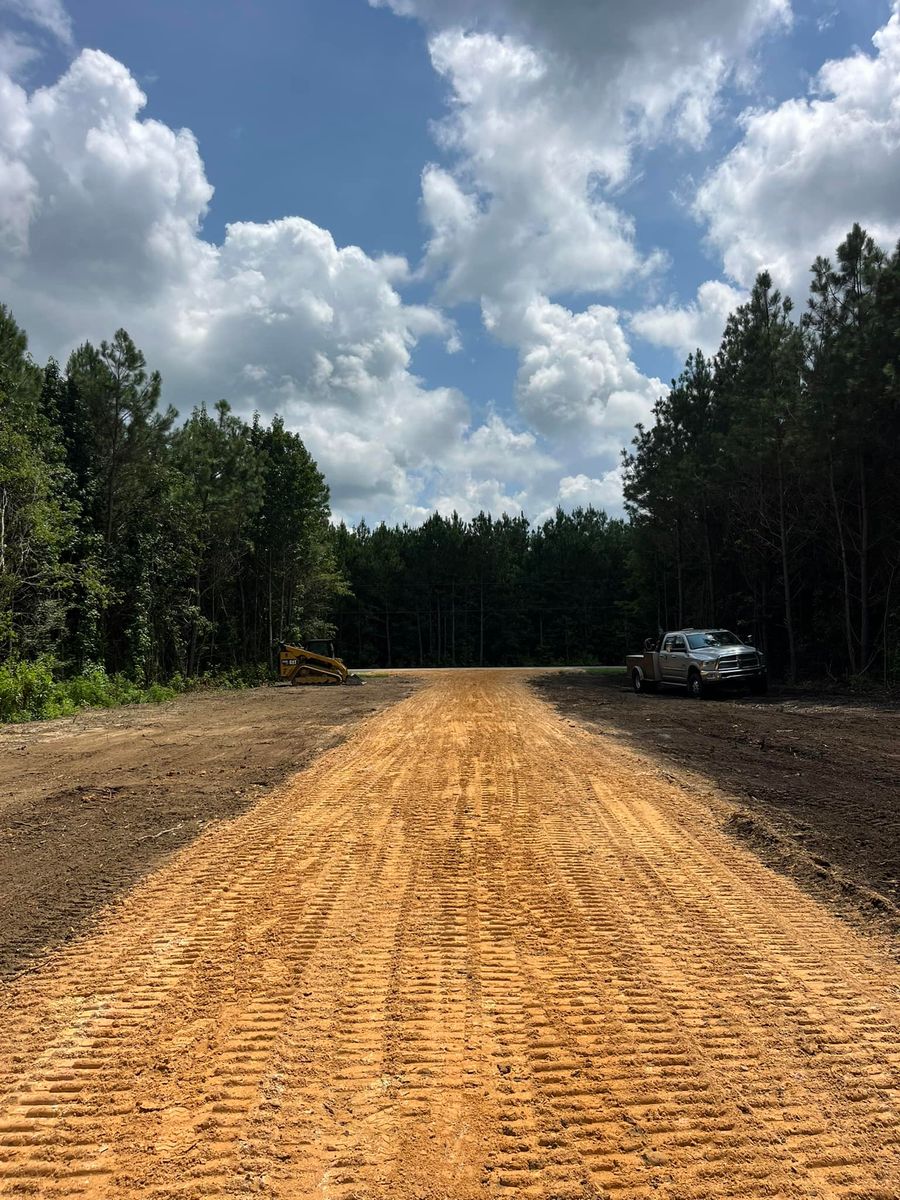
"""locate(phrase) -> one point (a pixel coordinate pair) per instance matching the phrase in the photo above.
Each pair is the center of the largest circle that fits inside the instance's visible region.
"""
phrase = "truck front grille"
(738, 662)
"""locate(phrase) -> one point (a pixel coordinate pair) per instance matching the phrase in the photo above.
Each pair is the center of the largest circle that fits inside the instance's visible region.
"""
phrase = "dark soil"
(816, 779)
(90, 804)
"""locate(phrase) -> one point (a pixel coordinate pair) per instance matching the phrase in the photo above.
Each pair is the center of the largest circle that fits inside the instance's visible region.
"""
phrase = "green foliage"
(25, 688)
(485, 592)
(33, 691)
(37, 516)
(29, 691)
(139, 559)
(20, 378)
(765, 495)
(131, 551)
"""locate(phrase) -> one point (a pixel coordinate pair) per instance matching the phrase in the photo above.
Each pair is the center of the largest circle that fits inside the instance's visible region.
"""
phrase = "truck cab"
(700, 660)
(673, 658)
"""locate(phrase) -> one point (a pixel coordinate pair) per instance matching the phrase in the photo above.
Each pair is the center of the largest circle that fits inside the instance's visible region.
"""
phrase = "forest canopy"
(764, 496)
(767, 490)
(133, 544)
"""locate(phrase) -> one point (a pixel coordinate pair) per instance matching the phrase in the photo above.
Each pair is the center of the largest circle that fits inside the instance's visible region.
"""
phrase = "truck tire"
(641, 684)
(759, 687)
(696, 690)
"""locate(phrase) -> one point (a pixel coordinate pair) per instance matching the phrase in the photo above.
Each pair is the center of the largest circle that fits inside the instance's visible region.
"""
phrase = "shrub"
(30, 692)
(27, 690)
(93, 689)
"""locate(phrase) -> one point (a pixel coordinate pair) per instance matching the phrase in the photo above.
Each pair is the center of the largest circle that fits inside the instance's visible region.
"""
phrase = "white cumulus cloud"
(101, 216)
(523, 211)
(577, 383)
(685, 328)
(549, 102)
(550, 108)
(471, 496)
(49, 15)
(582, 490)
(548, 105)
(805, 170)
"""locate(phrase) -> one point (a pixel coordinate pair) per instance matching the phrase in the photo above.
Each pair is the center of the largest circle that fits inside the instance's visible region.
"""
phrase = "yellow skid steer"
(313, 663)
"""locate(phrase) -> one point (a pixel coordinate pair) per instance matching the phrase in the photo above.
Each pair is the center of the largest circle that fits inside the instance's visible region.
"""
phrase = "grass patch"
(31, 691)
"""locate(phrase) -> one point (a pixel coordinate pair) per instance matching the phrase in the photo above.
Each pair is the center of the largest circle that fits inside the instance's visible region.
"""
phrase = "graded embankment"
(475, 949)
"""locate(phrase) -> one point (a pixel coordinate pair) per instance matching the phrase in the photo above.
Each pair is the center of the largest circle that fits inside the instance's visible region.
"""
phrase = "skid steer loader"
(313, 663)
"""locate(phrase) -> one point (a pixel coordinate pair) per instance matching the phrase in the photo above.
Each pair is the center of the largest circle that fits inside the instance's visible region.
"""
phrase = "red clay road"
(476, 950)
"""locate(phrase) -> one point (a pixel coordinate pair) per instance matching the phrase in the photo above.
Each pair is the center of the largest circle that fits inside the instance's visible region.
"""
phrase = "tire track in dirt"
(475, 950)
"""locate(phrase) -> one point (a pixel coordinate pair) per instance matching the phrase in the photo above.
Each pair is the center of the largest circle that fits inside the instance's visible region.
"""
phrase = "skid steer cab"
(313, 663)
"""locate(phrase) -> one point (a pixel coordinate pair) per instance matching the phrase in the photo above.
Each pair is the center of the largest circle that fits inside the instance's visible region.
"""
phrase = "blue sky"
(552, 204)
(316, 109)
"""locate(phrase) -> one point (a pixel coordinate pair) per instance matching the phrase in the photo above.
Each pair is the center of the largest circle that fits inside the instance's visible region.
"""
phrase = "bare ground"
(91, 804)
(479, 949)
(816, 781)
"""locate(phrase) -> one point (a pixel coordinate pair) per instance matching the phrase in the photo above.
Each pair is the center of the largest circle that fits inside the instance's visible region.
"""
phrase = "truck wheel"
(759, 687)
(641, 683)
(696, 690)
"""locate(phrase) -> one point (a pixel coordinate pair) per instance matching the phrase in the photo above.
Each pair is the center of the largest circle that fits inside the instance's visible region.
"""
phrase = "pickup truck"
(700, 660)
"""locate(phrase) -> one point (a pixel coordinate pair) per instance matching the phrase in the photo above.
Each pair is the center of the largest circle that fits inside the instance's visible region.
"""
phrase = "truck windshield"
(712, 637)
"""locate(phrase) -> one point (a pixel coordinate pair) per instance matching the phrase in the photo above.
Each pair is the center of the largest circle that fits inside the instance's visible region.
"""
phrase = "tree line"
(131, 544)
(486, 592)
(767, 491)
(765, 496)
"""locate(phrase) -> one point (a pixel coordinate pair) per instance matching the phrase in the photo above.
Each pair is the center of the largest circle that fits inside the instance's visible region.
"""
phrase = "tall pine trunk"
(864, 636)
(785, 567)
(842, 545)
(453, 625)
(271, 639)
(481, 624)
(710, 584)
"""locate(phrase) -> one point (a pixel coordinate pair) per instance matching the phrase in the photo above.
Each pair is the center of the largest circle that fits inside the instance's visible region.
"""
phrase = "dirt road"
(91, 804)
(815, 779)
(475, 950)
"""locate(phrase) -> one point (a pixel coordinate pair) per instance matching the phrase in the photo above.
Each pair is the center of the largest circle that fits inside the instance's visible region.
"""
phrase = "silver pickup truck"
(698, 659)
